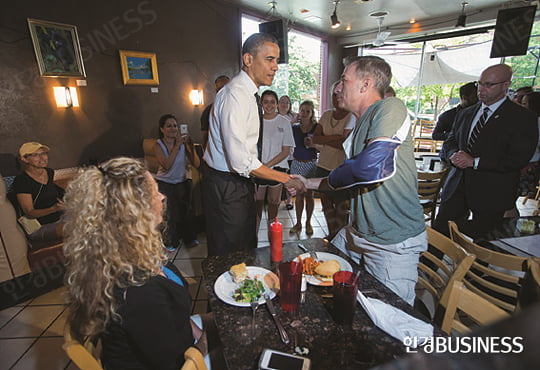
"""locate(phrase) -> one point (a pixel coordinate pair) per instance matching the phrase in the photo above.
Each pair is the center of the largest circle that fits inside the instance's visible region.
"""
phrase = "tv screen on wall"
(512, 31)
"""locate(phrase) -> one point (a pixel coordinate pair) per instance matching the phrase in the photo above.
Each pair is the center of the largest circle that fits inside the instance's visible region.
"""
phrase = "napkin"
(395, 322)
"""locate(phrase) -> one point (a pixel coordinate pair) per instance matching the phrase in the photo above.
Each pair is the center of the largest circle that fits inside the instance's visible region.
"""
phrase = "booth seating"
(13, 254)
(19, 256)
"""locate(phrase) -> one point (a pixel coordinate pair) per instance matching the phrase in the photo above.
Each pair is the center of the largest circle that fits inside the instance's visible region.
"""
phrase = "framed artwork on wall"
(57, 49)
(139, 68)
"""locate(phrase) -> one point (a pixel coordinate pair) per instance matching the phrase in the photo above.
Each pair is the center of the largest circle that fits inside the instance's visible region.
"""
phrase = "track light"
(334, 18)
(462, 17)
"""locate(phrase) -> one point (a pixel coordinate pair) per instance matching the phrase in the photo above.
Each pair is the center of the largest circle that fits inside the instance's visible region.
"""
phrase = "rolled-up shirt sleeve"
(238, 135)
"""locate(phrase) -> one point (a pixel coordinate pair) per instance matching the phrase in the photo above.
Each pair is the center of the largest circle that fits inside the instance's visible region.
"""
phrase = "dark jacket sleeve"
(444, 125)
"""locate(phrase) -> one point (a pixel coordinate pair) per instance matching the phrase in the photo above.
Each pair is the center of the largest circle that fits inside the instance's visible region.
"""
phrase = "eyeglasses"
(42, 154)
(488, 84)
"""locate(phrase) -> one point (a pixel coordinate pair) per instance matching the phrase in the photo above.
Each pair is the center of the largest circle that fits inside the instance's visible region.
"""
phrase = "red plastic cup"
(290, 281)
(344, 290)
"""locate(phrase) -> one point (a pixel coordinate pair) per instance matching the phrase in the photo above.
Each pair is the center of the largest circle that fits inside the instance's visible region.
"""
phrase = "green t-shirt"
(387, 212)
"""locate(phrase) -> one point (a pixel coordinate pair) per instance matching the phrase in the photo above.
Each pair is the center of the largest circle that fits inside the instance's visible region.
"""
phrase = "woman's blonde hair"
(111, 240)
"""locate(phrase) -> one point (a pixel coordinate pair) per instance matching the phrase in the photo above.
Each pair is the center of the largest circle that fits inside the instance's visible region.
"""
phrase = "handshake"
(298, 184)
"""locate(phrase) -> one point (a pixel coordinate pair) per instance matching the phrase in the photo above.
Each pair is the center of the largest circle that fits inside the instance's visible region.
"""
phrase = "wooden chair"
(85, 356)
(436, 274)
(494, 276)
(429, 187)
(529, 293)
(470, 305)
(194, 360)
(149, 157)
(423, 130)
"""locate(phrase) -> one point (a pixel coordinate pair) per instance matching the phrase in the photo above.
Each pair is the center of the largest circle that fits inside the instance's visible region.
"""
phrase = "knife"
(281, 329)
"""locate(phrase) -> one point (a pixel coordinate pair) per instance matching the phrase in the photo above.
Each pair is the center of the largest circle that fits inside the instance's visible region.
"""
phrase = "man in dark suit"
(488, 145)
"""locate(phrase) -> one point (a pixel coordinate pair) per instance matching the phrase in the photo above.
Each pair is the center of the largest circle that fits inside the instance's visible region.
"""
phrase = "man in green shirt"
(387, 230)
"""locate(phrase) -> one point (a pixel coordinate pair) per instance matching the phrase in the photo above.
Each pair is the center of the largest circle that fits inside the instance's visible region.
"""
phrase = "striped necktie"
(476, 130)
(259, 141)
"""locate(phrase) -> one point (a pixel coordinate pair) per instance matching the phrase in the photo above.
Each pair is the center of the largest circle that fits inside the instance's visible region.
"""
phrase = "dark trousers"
(457, 209)
(178, 214)
(229, 205)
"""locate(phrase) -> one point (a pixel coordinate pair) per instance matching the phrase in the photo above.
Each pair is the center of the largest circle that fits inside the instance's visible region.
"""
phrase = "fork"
(254, 305)
(312, 254)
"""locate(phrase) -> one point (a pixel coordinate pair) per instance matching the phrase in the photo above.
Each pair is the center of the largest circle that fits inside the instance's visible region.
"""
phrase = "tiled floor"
(31, 334)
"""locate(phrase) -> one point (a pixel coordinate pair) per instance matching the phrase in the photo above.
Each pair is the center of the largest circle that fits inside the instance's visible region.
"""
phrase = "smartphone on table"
(275, 360)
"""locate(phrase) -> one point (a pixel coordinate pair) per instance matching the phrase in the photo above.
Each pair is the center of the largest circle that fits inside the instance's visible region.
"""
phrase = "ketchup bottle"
(276, 241)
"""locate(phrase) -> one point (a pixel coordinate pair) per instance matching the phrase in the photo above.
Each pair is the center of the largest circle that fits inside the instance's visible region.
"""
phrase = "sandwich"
(239, 272)
(272, 281)
(328, 268)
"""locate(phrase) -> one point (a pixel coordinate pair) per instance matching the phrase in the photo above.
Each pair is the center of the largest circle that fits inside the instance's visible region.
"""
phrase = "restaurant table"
(331, 346)
(498, 238)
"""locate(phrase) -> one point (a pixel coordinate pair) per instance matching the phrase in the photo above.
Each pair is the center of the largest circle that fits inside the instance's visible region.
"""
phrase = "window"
(301, 78)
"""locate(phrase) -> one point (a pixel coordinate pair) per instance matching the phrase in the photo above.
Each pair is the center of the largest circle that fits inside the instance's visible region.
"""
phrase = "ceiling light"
(379, 13)
(462, 17)
(348, 28)
(412, 21)
(334, 18)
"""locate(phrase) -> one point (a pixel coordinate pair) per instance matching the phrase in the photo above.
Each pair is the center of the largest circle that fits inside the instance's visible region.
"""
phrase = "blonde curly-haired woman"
(119, 285)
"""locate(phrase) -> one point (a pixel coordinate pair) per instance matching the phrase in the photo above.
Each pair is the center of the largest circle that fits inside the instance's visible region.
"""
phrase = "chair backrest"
(426, 127)
(429, 187)
(530, 288)
(149, 157)
(85, 356)
(476, 308)
(194, 360)
(436, 274)
(495, 276)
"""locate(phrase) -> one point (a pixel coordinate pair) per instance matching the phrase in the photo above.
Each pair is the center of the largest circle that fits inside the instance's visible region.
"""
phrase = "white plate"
(224, 286)
(322, 257)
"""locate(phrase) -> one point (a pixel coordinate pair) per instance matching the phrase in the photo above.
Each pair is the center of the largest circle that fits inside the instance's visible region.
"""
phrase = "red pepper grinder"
(276, 241)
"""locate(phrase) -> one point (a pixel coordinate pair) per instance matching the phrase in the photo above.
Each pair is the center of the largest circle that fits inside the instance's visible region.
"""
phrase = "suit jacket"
(504, 146)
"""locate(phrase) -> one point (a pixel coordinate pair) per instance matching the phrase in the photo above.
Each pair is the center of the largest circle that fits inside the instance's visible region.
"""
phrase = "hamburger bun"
(328, 268)
(272, 281)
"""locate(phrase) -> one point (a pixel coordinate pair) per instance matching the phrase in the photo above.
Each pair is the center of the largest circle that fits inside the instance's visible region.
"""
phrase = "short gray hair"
(374, 67)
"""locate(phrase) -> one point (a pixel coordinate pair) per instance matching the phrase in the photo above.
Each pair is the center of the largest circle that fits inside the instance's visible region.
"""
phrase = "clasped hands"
(299, 184)
(462, 159)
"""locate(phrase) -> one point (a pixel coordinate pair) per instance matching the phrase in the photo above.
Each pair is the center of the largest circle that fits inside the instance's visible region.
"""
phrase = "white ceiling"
(430, 15)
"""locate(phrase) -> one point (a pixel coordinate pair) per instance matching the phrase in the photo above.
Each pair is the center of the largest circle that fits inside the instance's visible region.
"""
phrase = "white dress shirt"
(492, 108)
(234, 128)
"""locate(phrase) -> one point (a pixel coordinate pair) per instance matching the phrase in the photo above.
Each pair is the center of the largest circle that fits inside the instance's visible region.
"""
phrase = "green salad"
(248, 291)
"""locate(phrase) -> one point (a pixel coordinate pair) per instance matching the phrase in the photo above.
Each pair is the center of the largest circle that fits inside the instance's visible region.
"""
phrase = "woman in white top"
(284, 108)
(277, 142)
(175, 155)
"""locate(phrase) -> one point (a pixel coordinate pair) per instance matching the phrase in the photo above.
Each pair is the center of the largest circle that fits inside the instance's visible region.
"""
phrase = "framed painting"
(139, 68)
(57, 49)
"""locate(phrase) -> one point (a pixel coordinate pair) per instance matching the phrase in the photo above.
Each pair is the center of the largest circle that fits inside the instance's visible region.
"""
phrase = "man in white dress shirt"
(232, 154)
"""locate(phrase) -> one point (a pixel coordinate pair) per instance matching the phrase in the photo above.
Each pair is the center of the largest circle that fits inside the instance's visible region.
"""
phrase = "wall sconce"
(196, 97)
(66, 97)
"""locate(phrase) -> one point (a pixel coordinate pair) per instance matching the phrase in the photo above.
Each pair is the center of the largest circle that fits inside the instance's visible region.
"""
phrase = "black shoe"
(289, 206)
